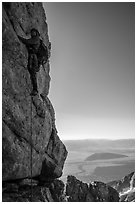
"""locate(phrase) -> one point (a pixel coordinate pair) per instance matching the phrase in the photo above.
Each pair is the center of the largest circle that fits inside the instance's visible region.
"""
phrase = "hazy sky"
(92, 68)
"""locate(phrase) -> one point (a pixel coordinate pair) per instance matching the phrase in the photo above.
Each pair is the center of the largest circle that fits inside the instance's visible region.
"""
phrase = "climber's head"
(34, 32)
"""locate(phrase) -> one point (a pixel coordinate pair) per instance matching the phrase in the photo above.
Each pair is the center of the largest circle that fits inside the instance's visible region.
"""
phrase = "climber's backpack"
(42, 53)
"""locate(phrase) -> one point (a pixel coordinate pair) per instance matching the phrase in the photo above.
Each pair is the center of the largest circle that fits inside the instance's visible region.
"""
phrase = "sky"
(92, 69)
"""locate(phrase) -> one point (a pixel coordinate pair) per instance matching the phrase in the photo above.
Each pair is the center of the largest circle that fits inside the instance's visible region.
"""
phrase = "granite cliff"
(48, 151)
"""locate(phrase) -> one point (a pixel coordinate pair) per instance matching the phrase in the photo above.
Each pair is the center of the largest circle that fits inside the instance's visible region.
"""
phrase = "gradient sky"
(92, 68)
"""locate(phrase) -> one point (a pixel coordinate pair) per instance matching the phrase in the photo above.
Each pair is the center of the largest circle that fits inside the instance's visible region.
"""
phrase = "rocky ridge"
(125, 187)
(73, 191)
(77, 191)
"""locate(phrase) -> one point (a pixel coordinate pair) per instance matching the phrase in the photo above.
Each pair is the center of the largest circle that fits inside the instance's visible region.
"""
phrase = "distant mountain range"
(104, 156)
(99, 144)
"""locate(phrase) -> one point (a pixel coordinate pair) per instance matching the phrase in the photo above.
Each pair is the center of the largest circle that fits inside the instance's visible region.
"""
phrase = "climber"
(37, 55)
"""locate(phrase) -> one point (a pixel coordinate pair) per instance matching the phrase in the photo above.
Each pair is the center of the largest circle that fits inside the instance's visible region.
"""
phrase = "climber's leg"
(34, 82)
(35, 63)
(33, 74)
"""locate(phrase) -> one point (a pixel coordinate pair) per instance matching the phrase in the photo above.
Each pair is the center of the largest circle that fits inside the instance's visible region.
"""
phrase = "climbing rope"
(31, 148)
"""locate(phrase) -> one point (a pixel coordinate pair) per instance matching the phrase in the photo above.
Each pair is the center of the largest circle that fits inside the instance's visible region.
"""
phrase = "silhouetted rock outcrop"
(125, 187)
(77, 191)
(48, 152)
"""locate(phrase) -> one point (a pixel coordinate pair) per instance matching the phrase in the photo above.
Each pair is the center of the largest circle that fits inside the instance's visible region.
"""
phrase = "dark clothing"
(33, 64)
(33, 76)
(32, 67)
(32, 45)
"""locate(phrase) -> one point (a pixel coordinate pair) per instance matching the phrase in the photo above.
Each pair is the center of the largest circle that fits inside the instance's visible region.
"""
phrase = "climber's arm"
(27, 41)
(23, 40)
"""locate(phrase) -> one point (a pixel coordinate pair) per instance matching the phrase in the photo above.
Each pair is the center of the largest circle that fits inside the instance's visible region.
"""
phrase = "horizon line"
(98, 139)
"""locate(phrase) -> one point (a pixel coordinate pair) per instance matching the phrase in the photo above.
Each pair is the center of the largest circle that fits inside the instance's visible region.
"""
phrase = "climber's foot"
(34, 93)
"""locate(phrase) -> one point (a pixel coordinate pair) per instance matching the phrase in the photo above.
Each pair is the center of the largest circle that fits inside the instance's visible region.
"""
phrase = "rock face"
(21, 112)
(77, 191)
(125, 187)
(22, 191)
(74, 191)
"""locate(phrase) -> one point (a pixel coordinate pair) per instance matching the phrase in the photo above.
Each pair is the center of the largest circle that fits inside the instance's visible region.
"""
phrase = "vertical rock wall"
(49, 153)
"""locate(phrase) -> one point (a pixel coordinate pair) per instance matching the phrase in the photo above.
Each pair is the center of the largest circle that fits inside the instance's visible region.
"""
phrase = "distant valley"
(102, 160)
(104, 156)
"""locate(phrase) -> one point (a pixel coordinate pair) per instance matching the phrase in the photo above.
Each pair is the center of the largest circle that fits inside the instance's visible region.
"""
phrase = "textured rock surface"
(125, 187)
(57, 189)
(22, 193)
(77, 191)
(49, 153)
